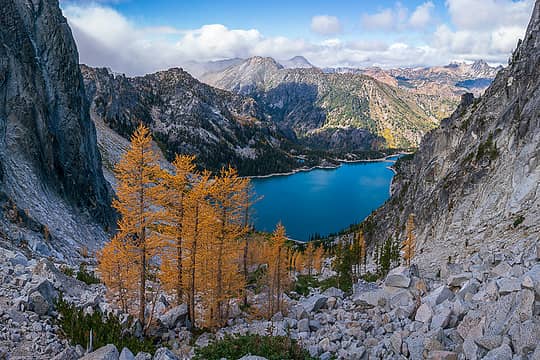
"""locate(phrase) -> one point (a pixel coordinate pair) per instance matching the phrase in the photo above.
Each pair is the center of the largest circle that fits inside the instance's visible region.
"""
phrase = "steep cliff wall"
(52, 184)
(474, 184)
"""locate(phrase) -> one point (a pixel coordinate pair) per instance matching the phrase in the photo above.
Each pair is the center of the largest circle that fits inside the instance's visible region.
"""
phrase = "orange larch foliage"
(177, 185)
(409, 245)
(278, 276)
(227, 197)
(318, 258)
(116, 272)
(140, 191)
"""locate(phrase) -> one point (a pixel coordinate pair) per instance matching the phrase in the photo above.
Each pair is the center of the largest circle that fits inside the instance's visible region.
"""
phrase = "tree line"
(350, 262)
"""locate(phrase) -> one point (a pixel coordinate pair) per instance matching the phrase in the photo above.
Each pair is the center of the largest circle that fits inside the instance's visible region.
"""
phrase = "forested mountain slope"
(336, 111)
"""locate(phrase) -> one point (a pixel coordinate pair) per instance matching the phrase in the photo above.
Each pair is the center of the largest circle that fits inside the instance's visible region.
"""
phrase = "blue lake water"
(321, 201)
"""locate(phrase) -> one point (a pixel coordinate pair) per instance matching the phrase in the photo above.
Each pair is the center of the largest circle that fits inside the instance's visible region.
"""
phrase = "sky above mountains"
(137, 37)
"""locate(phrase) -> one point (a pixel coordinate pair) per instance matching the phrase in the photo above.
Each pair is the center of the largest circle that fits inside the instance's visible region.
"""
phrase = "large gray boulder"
(68, 353)
(525, 336)
(164, 354)
(442, 315)
(501, 353)
(398, 277)
(532, 277)
(314, 303)
(143, 356)
(424, 313)
(333, 292)
(252, 357)
(303, 325)
(442, 355)
(439, 295)
(502, 269)
(126, 354)
(370, 298)
(459, 279)
(107, 352)
(41, 298)
(508, 285)
(175, 316)
(469, 287)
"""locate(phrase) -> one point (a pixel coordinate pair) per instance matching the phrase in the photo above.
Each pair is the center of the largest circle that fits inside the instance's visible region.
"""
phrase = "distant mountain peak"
(297, 62)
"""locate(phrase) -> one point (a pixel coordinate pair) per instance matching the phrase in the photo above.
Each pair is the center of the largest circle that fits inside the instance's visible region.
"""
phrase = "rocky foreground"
(487, 307)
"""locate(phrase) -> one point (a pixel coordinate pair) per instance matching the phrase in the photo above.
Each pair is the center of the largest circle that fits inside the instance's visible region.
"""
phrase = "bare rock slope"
(474, 184)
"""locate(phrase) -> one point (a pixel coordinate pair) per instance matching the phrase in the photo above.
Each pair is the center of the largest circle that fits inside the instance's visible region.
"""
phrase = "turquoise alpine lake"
(322, 201)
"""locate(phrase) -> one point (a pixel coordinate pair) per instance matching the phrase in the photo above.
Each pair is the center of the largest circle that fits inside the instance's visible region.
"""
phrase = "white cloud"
(487, 29)
(107, 38)
(422, 16)
(325, 25)
(398, 18)
(489, 14)
(387, 19)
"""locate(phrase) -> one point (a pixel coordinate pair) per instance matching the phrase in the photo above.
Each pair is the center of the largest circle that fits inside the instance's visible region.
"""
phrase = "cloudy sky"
(137, 37)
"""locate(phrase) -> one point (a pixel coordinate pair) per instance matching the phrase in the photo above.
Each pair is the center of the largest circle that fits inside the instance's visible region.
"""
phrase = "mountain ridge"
(311, 102)
(187, 116)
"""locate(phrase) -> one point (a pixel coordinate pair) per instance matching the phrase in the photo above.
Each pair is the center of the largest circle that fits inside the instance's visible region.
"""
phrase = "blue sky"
(137, 37)
(279, 17)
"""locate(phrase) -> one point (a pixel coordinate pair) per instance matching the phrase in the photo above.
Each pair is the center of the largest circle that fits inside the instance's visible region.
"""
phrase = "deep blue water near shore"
(323, 200)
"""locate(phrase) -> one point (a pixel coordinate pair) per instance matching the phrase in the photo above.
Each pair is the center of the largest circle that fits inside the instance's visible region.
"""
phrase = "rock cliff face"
(366, 113)
(187, 116)
(50, 168)
(475, 181)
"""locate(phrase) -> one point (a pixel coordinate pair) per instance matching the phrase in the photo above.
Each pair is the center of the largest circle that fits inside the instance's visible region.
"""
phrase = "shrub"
(67, 271)
(87, 277)
(270, 347)
(518, 221)
(370, 277)
(328, 283)
(76, 326)
(304, 283)
(488, 148)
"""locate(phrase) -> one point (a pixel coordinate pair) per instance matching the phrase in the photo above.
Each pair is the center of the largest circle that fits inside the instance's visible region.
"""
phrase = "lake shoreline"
(328, 167)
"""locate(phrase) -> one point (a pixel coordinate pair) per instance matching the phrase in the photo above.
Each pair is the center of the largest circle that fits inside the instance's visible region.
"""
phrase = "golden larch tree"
(177, 185)
(246, 204)
(278, 275)
(198, 222)
(309, 258)
(360, 251)
(318, 258)
(140, 191)
(409, 245)
(228, 193)
(116, 271)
